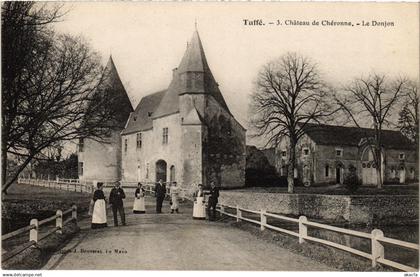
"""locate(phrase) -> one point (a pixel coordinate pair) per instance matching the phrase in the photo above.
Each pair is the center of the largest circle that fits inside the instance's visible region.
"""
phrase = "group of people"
(117, 195)
(99, 205)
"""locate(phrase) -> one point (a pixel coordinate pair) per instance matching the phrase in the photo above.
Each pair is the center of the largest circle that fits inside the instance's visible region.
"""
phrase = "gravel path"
(174, 242)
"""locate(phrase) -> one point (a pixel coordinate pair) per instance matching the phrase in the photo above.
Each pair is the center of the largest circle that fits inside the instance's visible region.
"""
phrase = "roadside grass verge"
(335, 258)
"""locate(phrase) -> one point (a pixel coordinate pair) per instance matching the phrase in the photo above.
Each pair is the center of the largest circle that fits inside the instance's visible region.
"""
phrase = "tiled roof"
(141, 118)
(351, 136)
(194, 60)
(114, 88)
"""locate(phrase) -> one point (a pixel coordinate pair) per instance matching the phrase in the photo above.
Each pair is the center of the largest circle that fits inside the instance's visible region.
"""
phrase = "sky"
(147, 40)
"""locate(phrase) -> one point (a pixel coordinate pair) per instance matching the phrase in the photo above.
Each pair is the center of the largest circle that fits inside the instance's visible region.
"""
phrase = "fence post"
(59, 221)
(74, 212)
(303, 229)
(377, 247)
(222, 209)
(263, 220)
(33, 233)
(238, 214)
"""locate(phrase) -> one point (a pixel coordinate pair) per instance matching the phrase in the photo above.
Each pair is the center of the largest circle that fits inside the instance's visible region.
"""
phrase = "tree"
(372, 100)
(289, 93)
(408, 121)
(51, 85)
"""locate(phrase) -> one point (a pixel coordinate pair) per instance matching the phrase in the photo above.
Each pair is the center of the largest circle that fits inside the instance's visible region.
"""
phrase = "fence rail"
(34, 229)
(89, 187)
(377, 254)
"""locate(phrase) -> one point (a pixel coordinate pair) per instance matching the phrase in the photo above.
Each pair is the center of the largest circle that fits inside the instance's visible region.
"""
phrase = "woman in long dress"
(199, 209)
(138, 206)
(174, 193)
(99, 208)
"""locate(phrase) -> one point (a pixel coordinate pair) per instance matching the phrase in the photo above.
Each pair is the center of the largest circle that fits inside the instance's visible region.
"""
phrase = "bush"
(352, 182)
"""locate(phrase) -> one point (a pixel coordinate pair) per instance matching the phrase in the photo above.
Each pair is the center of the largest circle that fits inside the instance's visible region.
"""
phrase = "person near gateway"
(160, 192)
(116, 200)
(99, 208)
(213, 200)
(174, 194)
(139, 206)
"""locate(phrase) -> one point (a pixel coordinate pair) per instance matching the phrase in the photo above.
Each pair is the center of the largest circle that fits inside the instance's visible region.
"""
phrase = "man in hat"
(213, 200)
(116, 200)
(160, 192)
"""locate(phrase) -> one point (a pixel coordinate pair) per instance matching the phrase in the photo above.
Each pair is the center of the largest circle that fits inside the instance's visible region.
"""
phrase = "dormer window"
(305, 151)
(339, 152)
(402, 156)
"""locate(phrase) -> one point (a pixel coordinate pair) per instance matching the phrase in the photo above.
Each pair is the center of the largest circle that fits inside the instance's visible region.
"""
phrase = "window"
(138, 140)
(339, 152)
(305, 151)
(327, 170)
(402, 156)
(165, 136)
(125, 145)
(81, 144)
(284, 154)
(80, 168)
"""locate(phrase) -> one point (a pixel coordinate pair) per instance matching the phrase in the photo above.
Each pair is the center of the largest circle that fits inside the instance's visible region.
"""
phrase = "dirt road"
(174, 242)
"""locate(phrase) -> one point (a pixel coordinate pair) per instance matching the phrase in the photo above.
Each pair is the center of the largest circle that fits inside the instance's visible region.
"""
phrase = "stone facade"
(329, 157)
(187, 132)
(102, 160)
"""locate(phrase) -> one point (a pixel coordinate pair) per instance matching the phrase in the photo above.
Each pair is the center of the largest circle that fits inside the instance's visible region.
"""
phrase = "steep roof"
(115, 93)
(141, 118)
(351, 136)
(194, 60)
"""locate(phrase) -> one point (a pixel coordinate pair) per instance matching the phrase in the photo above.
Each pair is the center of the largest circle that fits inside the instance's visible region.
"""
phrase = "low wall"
(355, 209)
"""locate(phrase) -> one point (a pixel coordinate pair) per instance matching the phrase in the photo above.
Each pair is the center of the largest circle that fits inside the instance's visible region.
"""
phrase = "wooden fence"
(89, 187)
(34, 231)
(376, 237)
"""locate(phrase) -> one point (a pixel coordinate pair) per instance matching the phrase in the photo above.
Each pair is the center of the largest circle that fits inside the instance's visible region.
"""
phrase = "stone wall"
(359, 209)
(101, 161)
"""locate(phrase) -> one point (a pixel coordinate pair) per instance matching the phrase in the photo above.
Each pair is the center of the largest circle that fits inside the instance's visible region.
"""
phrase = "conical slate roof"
(193, 61)
(116, 94)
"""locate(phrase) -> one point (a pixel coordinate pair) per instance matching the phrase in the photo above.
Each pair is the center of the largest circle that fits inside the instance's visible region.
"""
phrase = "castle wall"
(140, 164)
(101, 161)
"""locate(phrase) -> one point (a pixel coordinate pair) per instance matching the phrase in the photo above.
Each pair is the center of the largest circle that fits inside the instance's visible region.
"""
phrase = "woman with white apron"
(138, 206)
(174, 193)
(199, 210)
(99, 208)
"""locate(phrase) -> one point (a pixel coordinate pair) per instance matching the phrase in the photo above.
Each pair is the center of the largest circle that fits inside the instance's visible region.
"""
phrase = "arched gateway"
(161, 170)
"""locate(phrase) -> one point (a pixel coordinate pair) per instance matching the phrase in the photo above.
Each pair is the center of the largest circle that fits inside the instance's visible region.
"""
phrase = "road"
(174, 242)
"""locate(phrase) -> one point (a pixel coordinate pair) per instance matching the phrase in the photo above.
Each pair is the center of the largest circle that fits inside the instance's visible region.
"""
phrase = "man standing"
(213, 200)
(116, 200)
(160, 192)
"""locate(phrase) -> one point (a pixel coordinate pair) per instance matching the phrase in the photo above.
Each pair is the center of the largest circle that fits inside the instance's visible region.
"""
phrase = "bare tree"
(289, 93)
(408, 121)
(372, 100)
(51, 87)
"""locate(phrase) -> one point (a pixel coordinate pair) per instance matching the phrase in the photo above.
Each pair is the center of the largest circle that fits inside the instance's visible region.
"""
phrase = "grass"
(24, 202)
(335, 258)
